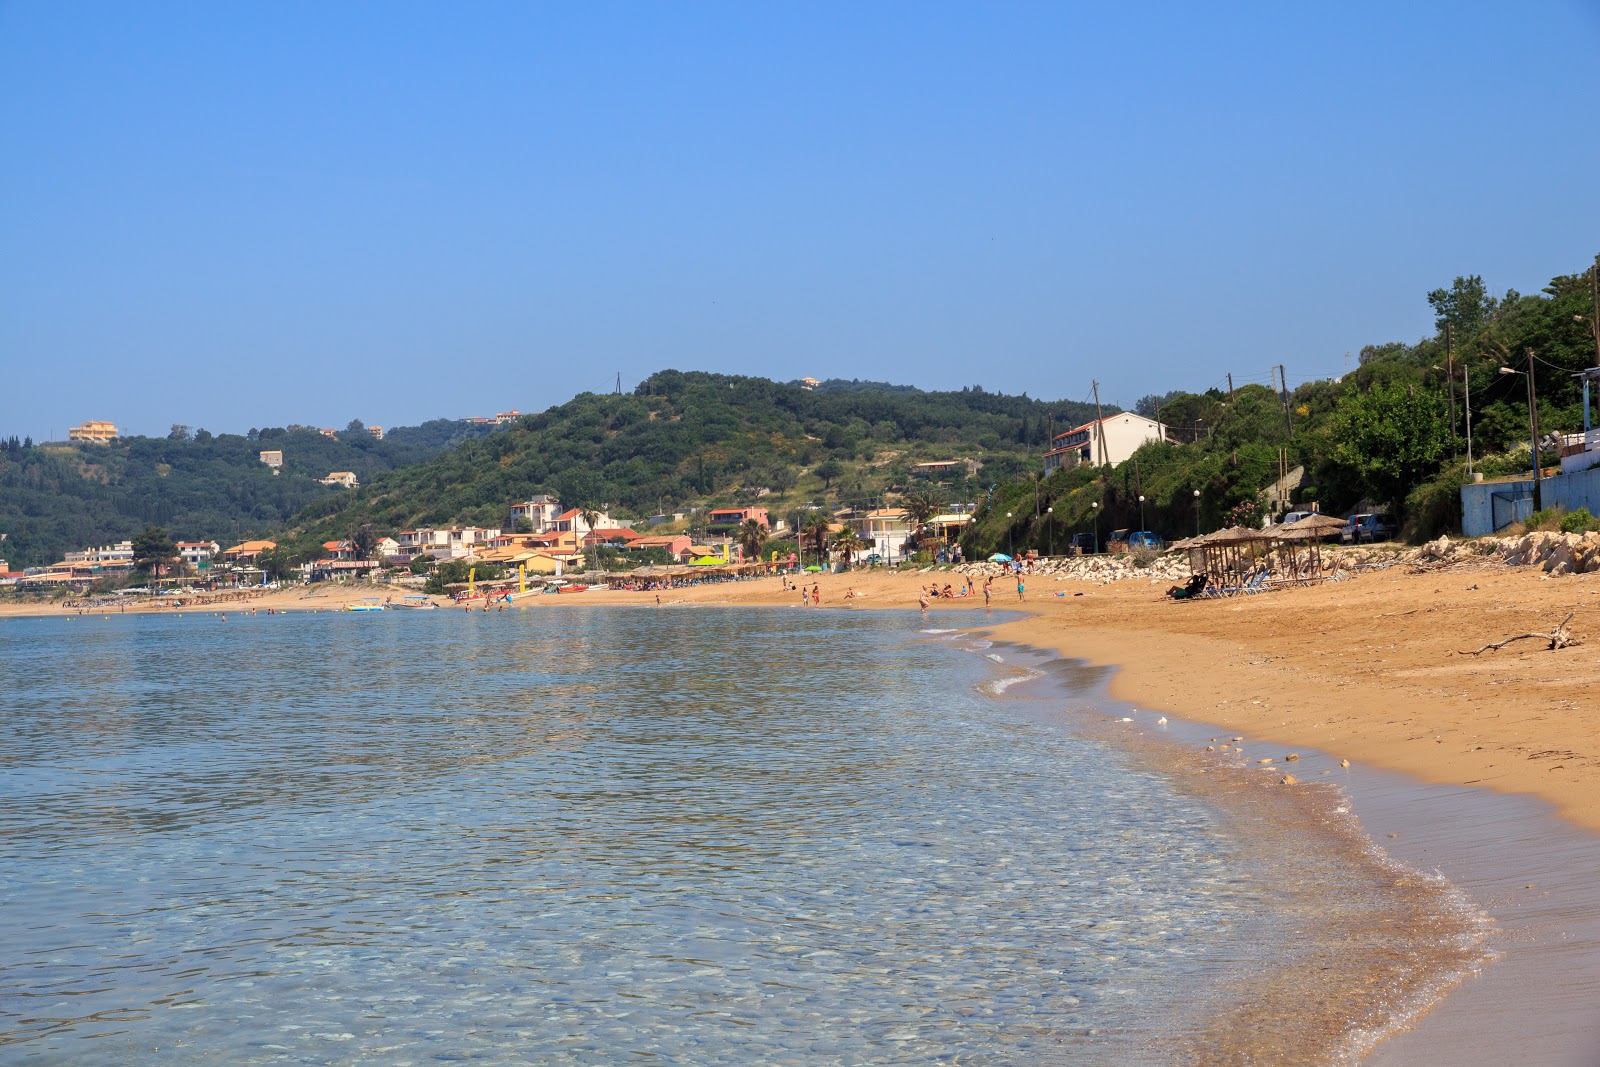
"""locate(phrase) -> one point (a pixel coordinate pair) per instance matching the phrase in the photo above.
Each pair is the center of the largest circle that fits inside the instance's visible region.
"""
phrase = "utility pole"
(1533, 425)
(619, 383)
(1288, 419)
(1594, 307)
(1230, 387)
(1450, 380)
(1099, 422)
(1466, 409)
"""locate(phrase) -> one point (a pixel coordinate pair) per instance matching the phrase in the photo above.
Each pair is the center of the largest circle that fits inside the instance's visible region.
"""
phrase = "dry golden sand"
(1366, 669)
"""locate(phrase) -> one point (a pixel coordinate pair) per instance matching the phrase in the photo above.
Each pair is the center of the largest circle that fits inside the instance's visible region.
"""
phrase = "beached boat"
(573, 589)
(418, 602)
(370, 603)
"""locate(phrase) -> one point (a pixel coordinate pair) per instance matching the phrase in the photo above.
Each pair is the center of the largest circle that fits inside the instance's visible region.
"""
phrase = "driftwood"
(1558, 638)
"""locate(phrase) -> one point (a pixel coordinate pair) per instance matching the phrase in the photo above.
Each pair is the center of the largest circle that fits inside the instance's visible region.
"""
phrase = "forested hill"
(58, 497)
(692, 437)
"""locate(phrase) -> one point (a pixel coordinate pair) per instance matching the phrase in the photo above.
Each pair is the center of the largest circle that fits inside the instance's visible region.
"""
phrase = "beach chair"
(1256, 583)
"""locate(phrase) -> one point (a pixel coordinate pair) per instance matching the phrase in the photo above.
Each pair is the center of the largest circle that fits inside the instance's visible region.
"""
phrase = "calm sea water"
(578, 836)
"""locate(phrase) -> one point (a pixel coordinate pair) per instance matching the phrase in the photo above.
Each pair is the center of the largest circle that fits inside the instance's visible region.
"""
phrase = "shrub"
(1543, 519)
(1580, 521)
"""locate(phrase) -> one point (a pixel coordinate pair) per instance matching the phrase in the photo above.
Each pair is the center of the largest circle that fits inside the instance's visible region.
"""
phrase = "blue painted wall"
(1482, 514)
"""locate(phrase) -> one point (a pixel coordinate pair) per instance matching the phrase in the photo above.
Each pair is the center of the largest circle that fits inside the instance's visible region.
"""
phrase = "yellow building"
(94, 432)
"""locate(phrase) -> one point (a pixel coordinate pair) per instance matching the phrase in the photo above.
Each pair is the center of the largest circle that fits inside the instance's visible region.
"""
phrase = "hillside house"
(248, 551)
(1110, 440)
(943, 469)
(737, 516)
(538, 511)
(94, 432)
(272, 457)
(343, 479)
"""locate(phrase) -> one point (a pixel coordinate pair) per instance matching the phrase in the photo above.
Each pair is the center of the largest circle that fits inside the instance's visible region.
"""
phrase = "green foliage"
(694, 438)
(55, 498)
(456, 572)
(1580, 521)
(153, 550)
(1390, 437)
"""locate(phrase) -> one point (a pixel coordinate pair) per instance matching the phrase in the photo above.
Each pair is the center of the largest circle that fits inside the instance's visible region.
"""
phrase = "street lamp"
(1141, 511)
(1533, 428)
(1095, 504)
(1197, 513)
(1010, 543)
(1051, 530)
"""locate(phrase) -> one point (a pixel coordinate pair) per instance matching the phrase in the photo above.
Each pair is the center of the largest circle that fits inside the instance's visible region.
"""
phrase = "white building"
(1110, 440)
(194, 553)
(540, 511)
(121, 552)
(886, 530)
(452, 543)
(344, 479)
(272, 457)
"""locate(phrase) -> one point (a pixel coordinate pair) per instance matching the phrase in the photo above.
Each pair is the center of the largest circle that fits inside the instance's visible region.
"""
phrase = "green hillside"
(1385, 435)
(692, 438)
(57, 497)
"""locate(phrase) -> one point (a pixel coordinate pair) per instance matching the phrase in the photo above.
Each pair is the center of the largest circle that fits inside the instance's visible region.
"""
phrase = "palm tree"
(816, 528)
(848, 544)
(751, 536)
(922, 505)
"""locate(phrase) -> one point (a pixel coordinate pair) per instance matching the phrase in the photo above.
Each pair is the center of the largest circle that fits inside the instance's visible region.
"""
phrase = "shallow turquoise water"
(575, 836)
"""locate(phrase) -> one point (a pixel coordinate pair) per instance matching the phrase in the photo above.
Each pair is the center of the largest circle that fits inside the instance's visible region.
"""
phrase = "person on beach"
(1020, 588)
(816, 594)
(805, 597)
(987, 582)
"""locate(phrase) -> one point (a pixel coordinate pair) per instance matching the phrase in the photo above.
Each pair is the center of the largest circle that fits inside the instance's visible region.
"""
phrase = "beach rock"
(1288, 779)
(1291, 757)
(1268, 759)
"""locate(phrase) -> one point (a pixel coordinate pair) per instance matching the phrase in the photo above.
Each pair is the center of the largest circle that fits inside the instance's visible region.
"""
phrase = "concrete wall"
(1480, 511)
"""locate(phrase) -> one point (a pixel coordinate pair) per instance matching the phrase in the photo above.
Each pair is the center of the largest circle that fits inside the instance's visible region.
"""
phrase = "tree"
(179, 432)
(1465, 307)
(828, 470)
(751, 536)
(362, 541)
(816, 528)
(1391, 437)
(847, 544)
(153, 550)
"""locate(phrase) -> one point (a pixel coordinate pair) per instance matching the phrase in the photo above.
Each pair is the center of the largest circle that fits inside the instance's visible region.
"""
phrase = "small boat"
(421, 603)
(370, 603)
(573, 589)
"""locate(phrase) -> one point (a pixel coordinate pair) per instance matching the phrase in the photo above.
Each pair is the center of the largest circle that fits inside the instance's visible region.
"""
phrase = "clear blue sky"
(234, 216)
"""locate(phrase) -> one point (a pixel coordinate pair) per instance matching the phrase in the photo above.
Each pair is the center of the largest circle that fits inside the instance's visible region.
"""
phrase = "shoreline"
(1098, 628)
(1368, 669)
(1534, 877)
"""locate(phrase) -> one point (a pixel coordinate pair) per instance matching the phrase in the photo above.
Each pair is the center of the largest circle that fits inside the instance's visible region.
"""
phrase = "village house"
(454, 543)
(339, 549)
(737, 516)
(248, 551)
(121, 552)
(1111, 440)
(94, 432)
(538, 511)
(272, 457)
(611, 535)
(344, 479)
(376, 431)
(198, 554)
(386, 548)
(885, 530)
(676, 546)
(572, 521)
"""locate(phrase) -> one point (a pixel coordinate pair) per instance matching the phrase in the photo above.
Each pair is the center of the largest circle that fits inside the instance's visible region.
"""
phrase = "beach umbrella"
(999, 557)
(813, 567)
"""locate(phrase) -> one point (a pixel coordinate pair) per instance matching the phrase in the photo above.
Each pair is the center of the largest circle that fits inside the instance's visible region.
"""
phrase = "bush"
(1543, 519)
(1580, 521)
(1434, 507)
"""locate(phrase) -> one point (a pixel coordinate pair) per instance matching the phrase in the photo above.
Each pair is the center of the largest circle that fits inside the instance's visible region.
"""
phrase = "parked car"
(1368, 527)
(1083, 543)
(1146, 539)
(1117, 539)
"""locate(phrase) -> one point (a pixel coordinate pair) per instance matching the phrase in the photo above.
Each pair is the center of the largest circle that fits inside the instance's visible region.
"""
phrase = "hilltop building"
(93, 432)
(1110, 440)
(272, 458)
(376, 431)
